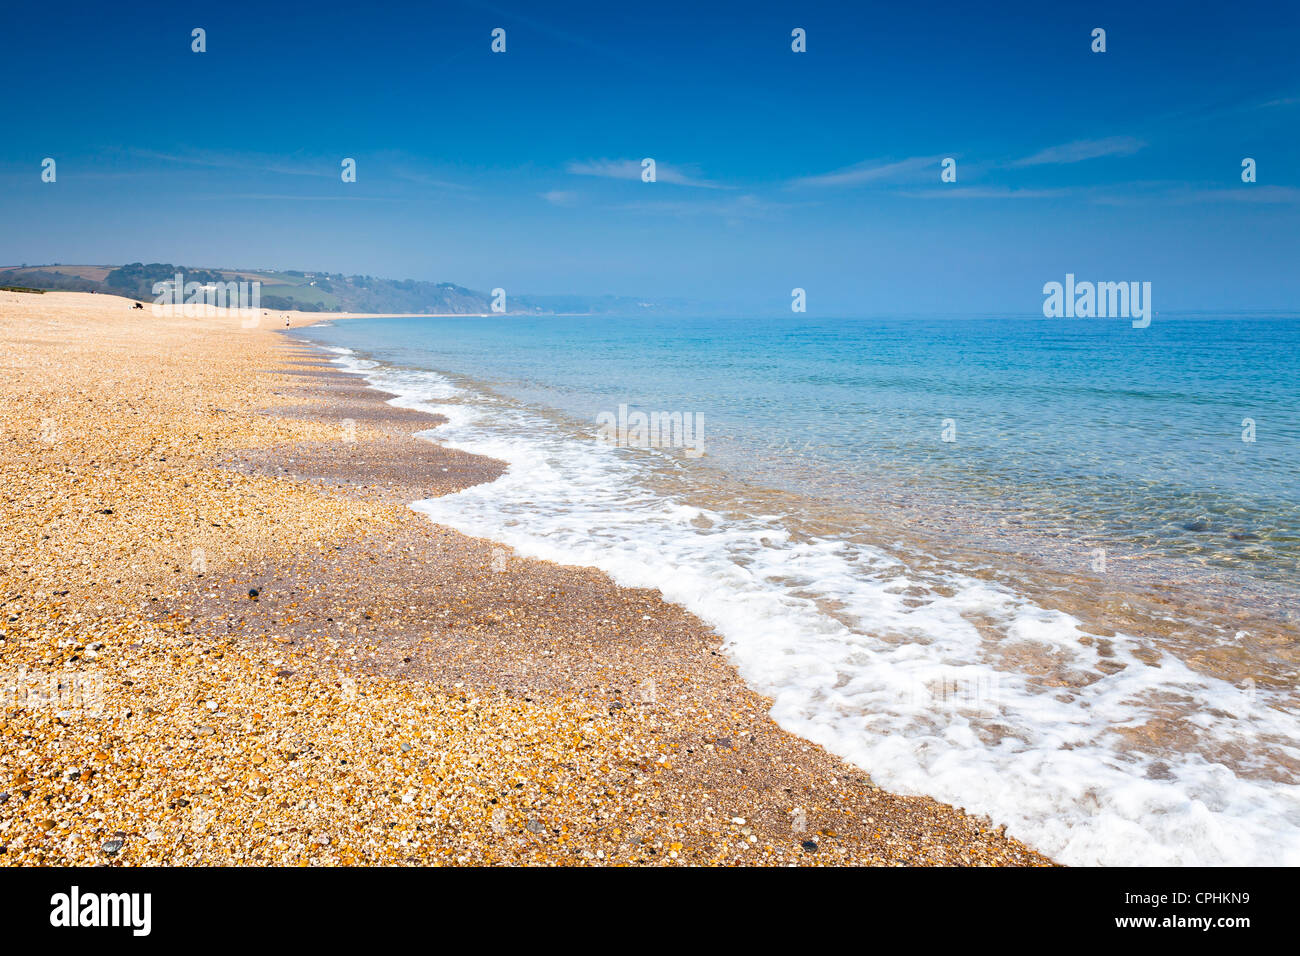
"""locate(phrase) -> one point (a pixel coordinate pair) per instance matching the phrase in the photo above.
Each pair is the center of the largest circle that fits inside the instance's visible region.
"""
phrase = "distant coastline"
(322, 292)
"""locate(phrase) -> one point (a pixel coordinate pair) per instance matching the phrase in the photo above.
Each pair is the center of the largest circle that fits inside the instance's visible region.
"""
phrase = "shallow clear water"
(1089, 427)
(1076, 615)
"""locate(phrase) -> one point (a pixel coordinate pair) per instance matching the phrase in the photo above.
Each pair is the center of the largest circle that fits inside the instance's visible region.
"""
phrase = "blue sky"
(775, 169)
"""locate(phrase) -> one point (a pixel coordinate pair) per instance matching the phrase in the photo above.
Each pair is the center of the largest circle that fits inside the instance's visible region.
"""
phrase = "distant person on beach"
(286, 321)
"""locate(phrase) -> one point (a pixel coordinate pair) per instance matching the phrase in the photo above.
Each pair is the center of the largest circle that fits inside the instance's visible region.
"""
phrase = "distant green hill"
(297, 290)
(293, 289)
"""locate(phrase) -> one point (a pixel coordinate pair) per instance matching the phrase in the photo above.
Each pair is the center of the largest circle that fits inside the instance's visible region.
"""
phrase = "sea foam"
(899, 680)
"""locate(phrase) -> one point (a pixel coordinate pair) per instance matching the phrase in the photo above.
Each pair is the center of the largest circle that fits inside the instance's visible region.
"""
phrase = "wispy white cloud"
(956, 191)
(384, 166)
(560, 197)
(747, 206)
(344, 196)
(1166, 192)
(1083, 149)
(1246, 192)
(1283, 102)
(425, 179)
(868, 171)
(631, 169)
(245, 161)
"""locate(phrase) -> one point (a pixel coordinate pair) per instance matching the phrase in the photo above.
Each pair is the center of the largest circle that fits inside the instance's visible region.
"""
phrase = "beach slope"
(227, 639)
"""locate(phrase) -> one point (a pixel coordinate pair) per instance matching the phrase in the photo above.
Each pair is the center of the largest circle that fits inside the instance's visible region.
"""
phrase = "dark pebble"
(253, 593)
(809, 845)
(1200, 524)
(112, 846)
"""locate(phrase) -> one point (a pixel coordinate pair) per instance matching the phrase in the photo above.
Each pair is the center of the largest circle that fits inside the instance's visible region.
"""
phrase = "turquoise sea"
(1044, 569)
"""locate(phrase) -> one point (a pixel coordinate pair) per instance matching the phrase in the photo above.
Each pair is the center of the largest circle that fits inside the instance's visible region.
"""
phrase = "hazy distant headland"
(306, 291)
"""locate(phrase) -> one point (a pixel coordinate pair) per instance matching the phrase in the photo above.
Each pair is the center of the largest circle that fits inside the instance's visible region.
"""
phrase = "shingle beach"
(227, 639)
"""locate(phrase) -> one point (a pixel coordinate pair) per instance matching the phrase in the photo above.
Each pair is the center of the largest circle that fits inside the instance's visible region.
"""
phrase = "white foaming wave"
(349, 360)
(899, 681)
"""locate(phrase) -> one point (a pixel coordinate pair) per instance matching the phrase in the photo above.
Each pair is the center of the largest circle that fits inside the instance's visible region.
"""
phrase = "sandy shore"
(227, 639)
